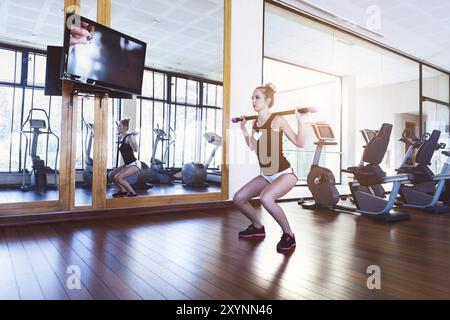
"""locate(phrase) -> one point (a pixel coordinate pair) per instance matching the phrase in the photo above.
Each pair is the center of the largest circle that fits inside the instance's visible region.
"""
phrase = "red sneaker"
(252, 232)
(286, 243)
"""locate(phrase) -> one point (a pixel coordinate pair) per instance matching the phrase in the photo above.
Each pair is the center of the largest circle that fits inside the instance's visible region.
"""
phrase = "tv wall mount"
(89, 92)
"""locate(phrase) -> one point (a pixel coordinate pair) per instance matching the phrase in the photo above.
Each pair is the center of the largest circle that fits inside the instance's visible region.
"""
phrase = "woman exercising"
(127, 147)
(277, 177)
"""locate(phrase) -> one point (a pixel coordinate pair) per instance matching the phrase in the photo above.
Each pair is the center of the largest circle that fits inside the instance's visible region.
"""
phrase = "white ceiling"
(420, 28)
(182, 35)
(294, 38)
(189, 34)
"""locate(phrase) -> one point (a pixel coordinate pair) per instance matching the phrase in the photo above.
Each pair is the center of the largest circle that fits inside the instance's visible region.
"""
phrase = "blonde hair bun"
(271, 86)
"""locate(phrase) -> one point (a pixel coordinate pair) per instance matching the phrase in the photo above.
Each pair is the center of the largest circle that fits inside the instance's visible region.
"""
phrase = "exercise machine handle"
(408, 136)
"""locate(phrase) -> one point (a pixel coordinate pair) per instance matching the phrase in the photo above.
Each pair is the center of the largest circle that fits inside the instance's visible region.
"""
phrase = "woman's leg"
(120, 178)
(114, 172)
(248, 191)
(278, 188)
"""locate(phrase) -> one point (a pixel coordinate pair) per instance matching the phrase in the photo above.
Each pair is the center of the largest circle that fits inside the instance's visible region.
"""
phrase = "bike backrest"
(377, 146)
(427, 149)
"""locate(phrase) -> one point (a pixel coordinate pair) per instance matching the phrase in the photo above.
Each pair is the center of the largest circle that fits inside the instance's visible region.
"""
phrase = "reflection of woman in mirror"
(84, 50)
(127, 147)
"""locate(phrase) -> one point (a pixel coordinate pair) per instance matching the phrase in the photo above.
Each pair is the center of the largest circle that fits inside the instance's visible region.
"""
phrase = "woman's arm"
(251, 142)
(299, 138)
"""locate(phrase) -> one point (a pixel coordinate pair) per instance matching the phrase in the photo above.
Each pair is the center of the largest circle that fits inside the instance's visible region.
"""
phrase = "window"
(17, 97)
(6, 100)
(160, 89)
(36, 69)
(180, 91)
(11, 65)
(435, 84)
(147, 84)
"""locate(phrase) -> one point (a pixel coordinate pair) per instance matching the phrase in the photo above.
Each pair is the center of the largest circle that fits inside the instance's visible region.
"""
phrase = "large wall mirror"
(30, 117)
(176, 123)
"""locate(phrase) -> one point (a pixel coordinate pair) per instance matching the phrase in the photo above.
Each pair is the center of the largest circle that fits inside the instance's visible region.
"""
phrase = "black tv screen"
(97, 55)
(53, 83)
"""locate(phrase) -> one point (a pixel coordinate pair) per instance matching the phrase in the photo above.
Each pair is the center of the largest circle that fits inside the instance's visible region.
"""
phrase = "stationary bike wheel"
(321, 183)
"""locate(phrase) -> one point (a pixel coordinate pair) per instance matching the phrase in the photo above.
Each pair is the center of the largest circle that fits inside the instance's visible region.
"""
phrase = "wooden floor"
(197, 255)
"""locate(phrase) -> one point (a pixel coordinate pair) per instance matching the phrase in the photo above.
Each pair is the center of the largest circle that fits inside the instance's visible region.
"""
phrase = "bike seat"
(417, 174)
(351, 169)
(405, 170)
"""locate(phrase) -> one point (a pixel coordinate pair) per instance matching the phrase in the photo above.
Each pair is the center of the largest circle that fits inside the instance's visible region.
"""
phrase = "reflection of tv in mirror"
(97, 55)
(53, 83)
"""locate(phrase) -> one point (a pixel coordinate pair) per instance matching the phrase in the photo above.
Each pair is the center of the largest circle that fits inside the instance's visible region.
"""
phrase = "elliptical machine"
(88, 161)
(38, 178)
(159, 174)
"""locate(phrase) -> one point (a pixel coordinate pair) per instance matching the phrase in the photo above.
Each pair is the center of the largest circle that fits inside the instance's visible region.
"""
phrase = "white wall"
(390, 104)
(246, 74)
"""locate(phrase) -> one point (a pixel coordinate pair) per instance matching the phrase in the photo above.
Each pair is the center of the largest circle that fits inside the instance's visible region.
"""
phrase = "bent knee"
(266, 200)
(239, 199)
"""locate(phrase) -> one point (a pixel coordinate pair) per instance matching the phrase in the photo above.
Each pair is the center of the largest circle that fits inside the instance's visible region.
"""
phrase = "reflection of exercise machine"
(321, 182)
(159, 174)
(195, 173)
(88, 161)
(37, 127)
(425, 188)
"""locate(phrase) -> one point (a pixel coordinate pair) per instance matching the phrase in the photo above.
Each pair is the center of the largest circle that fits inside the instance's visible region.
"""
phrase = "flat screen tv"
(53, 82)
(100, 56)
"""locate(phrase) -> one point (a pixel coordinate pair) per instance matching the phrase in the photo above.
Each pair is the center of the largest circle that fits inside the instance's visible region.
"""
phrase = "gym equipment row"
(414, 186)
(192, 174)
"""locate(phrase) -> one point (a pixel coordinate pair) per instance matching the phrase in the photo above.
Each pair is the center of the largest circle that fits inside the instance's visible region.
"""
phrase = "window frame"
(23, 86)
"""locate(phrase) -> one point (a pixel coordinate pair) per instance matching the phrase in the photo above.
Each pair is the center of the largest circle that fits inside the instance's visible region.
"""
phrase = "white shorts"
(272, 178)
(137, 163)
